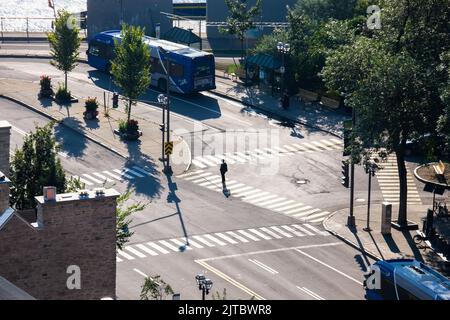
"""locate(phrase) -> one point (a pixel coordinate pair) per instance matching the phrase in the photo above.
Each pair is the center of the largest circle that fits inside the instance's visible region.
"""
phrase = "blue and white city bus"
(406, 279)
(191, 70)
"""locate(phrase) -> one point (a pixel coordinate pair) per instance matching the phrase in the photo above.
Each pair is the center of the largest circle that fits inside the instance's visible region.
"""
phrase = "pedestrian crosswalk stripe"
(317, 215)
(214, 159)
(234, 237)
(248, 235)
(92, 178)
(315, 229)
(136, 252)
(207, 162)
(273, 206)
(195, 244)
(255, 196)
(289, 207)
(298, 210)
(298, 234)
(125, 255)
(264, 203)
(226, 238)
(240, 154)
(240, 238)
(301, 148)
(147, 250)
(235, 157)
(200, 239)
(287, 235)
(271, 233)
(137, 174)
(246, 188)
(102, 177)
(123, 174)
(261, 235)
(142, 170)
(83, 181)
(289, 148)
(236, 185)
(210, 237)
(112, 175)
(332, 145)
(198, 164)
(180, 244)
(168, 245)
(265, 198)
(261, 154)
(157, 247)
(312, 147)
(303, 214)
(227, 159)
(309, 233)
(320, 145)
(246, 193)
(198, 176)
(337, 141)
(281, 150)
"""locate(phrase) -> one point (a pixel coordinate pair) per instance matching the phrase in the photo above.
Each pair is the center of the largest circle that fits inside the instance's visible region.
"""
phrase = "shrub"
(62, 94)
(128, 126)
(46, 82)
(91, 104)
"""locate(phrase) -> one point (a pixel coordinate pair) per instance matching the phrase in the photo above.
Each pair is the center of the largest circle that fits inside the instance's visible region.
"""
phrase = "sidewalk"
(145, 151)
(399, 244)
(312, 114)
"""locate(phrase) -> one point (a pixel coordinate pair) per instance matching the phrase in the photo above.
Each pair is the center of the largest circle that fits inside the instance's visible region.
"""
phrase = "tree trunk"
(402, 209)
(129, 110)
(65, 80)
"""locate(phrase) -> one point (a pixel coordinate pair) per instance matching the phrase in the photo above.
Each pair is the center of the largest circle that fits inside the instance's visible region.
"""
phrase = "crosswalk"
(99, 178)
(205, 161)
(218, 239)
(257, 197)
(389, 182)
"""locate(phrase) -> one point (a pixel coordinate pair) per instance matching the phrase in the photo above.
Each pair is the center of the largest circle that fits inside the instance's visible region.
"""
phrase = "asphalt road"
(259, 236)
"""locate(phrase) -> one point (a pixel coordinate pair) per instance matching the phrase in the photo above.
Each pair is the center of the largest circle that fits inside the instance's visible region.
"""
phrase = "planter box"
(308, 96)
(45, 94)
(127, 135)
(331, 103)
(71, 100)
(89, 115)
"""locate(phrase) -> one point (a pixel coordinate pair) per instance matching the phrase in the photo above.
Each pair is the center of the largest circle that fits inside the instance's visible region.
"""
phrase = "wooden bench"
(439, 168)
(331, 103)
(308, 96)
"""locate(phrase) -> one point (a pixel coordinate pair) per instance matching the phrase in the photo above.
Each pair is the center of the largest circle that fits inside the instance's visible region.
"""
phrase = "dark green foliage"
(123, 212)
(62, 94)
(131, 65)
(155, 288)
(64, 43)
(34, 166)
(91, 104)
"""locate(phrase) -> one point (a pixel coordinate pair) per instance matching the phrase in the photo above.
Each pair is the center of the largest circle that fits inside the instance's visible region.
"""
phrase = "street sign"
(168, 147)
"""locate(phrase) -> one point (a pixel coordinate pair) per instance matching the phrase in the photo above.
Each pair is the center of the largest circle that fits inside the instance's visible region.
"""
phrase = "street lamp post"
(371, 167)
(164, 101)
(283, 49)
(204, 284)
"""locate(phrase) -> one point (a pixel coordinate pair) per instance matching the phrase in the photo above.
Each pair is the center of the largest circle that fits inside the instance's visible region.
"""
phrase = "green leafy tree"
(155, 288)
(240, 19)
(64, 43)
(123, 213)
(131, 65)
(392, 79)
(34, 166)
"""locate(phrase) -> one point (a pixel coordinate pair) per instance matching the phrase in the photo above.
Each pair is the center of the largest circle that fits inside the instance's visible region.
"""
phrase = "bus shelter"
(182, 36)
(264, 69)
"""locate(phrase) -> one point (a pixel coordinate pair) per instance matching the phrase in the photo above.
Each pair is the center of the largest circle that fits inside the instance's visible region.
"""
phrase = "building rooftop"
(9, 291)
(88, 194)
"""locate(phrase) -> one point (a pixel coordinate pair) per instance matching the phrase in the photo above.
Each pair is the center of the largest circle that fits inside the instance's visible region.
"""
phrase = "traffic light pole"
(168, 168)
(351, 217)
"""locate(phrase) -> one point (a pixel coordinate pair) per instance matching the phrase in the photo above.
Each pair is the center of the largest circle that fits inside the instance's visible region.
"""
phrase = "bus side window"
(387, 289)
(176, 70)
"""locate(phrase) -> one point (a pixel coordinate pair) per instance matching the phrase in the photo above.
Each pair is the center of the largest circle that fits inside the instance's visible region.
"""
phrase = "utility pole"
(168, 168)
(351, 217)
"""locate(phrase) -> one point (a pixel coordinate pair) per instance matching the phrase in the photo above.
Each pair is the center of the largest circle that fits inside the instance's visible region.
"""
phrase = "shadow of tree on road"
(72, 144)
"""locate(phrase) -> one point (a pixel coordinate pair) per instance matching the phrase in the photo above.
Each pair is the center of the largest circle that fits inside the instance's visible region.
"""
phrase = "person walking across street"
(223, 170)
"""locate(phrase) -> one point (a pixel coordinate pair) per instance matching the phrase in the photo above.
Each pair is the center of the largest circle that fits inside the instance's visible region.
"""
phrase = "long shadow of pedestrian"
(70, 141)
(173, 198)
(149, 184)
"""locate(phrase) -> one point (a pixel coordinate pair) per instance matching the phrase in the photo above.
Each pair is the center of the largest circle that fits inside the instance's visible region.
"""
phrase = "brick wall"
(69, 231)
(4, 193)
(5, 133)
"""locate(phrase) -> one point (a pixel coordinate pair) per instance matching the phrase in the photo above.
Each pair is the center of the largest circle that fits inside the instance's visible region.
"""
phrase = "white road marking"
(210, 237)
(287, 235)
(200, 239)
(242, 239)
(88, 183)
(298, 210)
(180, 244)
(113, 175)
(158, 248)
(248, 235)
(269, 232)
(140, 272)
(169, 245)
(316, 230)
(123, 174)
(263, 266)
(226, 238)
(145, 249)
(142, 170)
(310, 293)
(185, 175)
(137, 174)
(296, 233)
(289, 207)
(198, 163)
(92, 178)
(260, 234)
(135, 252)
(125, 255)
(309, 233)
(102, 177)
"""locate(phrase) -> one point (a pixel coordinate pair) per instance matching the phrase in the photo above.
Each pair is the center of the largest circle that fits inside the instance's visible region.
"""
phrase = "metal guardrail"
(27, 25)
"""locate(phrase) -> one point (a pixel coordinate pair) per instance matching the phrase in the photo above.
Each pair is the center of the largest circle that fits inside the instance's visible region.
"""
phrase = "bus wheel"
(162, 85)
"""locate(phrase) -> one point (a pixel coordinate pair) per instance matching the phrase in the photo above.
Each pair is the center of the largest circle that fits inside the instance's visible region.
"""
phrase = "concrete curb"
(271, 113)
(89, 136)
(348, 241)
(33, 56)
